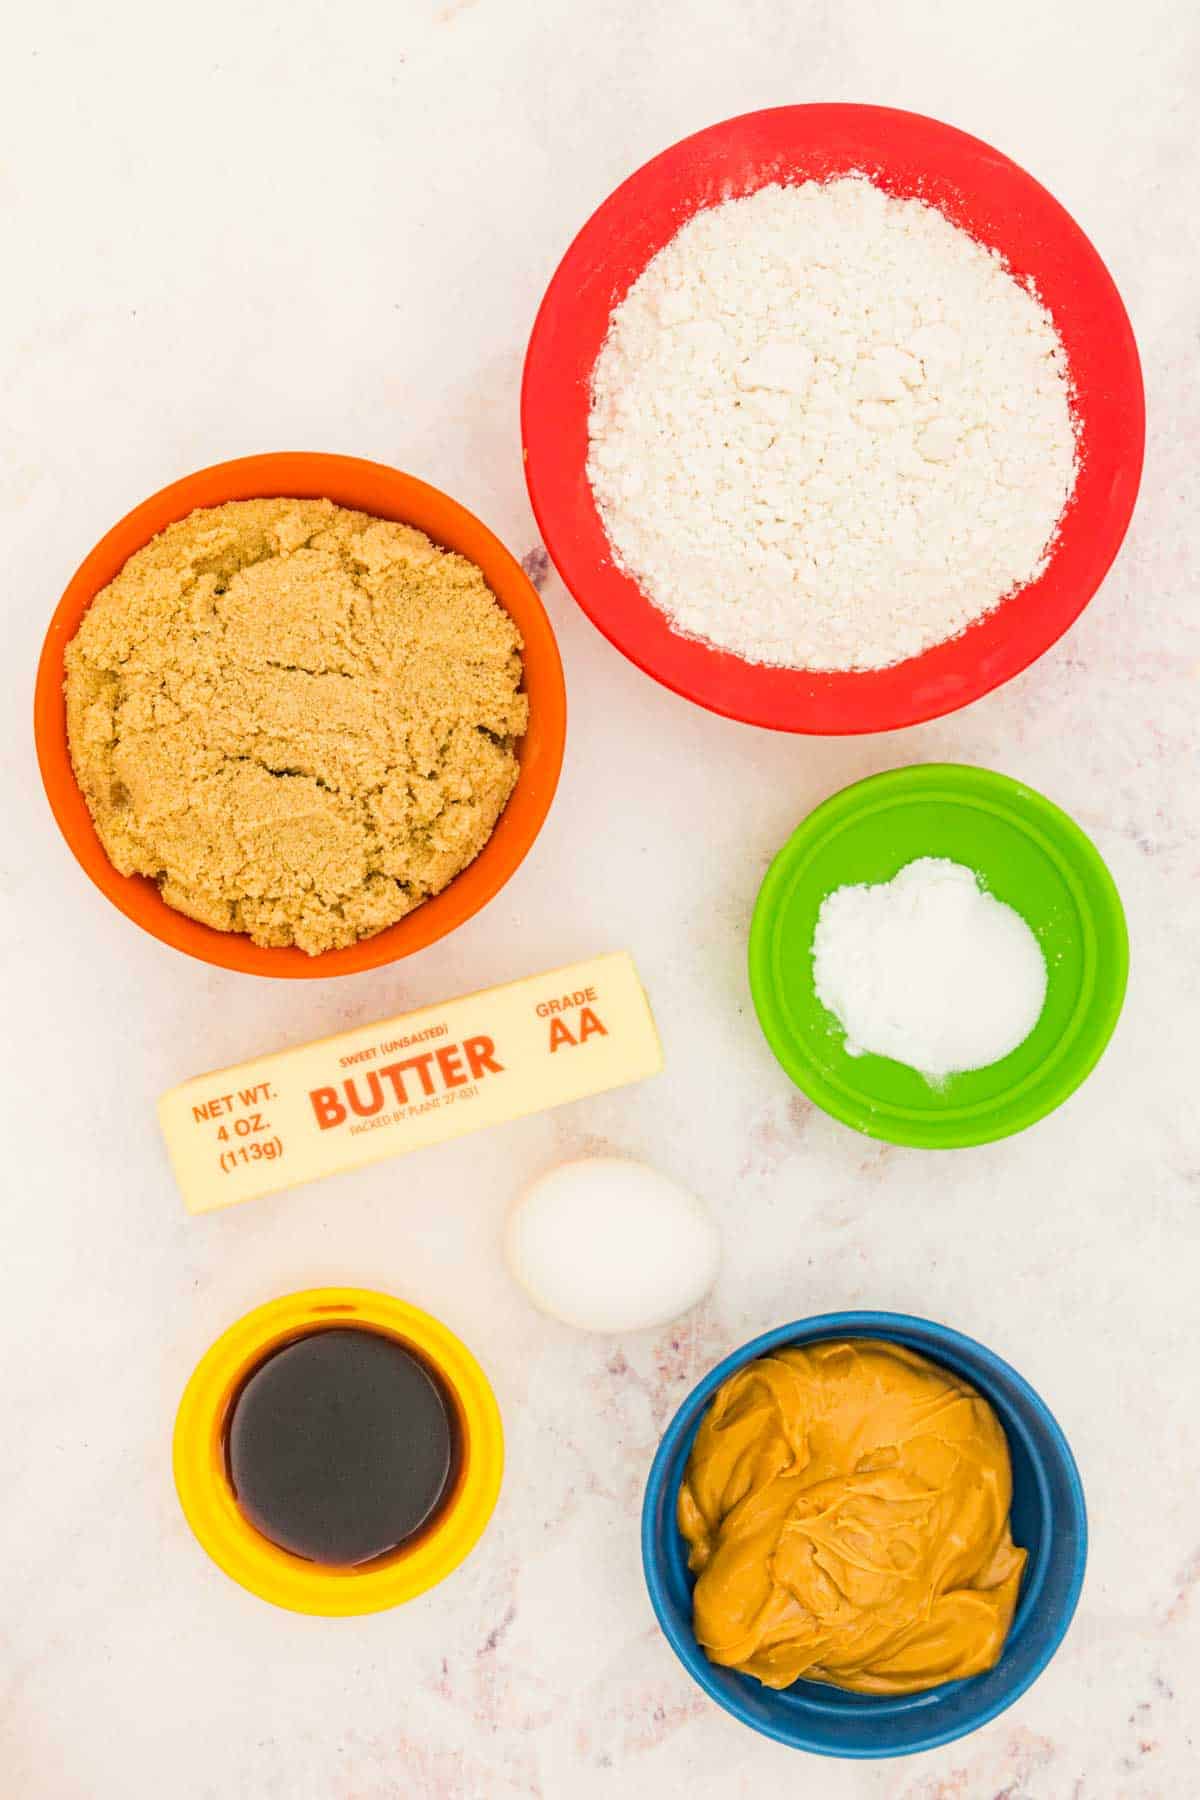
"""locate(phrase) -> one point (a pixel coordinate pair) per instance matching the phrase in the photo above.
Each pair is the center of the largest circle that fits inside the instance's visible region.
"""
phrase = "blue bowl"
(1048, 1519)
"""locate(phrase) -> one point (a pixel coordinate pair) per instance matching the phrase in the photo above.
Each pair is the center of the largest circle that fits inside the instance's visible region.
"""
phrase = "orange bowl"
(367, 487)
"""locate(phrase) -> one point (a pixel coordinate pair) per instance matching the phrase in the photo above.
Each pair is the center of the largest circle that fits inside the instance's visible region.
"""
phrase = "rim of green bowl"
(1098, 1003)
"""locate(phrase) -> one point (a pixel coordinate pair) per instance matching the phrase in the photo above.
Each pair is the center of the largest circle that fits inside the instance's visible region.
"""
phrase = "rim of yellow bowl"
(274, 1574)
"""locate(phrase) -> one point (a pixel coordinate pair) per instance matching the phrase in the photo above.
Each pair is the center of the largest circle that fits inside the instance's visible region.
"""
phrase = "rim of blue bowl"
(995, 1379)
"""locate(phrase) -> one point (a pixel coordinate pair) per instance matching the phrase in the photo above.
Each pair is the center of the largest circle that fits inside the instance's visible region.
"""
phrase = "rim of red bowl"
(389, 494)
(977, 188)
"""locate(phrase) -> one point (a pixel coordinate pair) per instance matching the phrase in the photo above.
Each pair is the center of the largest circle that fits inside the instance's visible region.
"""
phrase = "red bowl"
(976, 188)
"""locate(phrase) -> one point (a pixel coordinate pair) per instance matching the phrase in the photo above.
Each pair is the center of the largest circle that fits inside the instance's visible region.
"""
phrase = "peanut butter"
(846, 1508)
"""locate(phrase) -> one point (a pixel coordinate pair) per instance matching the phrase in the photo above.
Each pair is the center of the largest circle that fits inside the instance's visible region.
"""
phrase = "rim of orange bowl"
(388, 493)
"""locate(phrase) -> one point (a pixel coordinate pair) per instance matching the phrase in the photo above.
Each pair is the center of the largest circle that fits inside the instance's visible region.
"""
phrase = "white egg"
(607, 1244)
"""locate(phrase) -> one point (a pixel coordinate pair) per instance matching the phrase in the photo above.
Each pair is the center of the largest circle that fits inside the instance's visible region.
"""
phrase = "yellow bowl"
(207, 1497)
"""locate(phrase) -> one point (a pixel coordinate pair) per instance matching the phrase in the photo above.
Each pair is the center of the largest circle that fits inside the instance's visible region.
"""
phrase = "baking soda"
(928, 969)
(829, 429)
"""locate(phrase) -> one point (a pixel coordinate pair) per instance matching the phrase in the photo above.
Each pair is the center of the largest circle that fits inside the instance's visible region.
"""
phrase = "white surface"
(606, 1243)
(829, 429)
(232, 228)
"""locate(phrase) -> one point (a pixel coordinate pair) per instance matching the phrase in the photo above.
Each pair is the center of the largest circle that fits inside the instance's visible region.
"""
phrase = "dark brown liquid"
(340, 1446)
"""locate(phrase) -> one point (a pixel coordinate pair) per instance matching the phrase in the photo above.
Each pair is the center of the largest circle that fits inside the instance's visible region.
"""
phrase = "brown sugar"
(298, 720)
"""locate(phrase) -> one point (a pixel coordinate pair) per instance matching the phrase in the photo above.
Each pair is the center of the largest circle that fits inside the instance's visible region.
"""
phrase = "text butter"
(386, 1088)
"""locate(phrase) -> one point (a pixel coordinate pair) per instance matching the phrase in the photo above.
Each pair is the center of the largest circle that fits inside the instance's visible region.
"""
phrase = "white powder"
(829, 429)
(928, 969)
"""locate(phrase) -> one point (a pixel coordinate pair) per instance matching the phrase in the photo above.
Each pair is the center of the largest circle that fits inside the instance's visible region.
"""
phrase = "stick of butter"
(395, 1086)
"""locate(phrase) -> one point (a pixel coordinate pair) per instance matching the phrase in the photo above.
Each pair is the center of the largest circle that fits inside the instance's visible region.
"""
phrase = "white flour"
(928, 969)
(829, 429)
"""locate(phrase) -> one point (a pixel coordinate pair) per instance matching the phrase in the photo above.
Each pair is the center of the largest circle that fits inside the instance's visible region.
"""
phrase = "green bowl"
(1027, 853)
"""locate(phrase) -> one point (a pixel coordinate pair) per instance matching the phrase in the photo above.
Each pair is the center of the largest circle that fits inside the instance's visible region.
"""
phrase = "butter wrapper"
(419, 1079)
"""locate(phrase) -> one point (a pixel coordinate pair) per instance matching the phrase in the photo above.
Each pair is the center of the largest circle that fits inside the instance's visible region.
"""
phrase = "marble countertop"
(242, 228)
